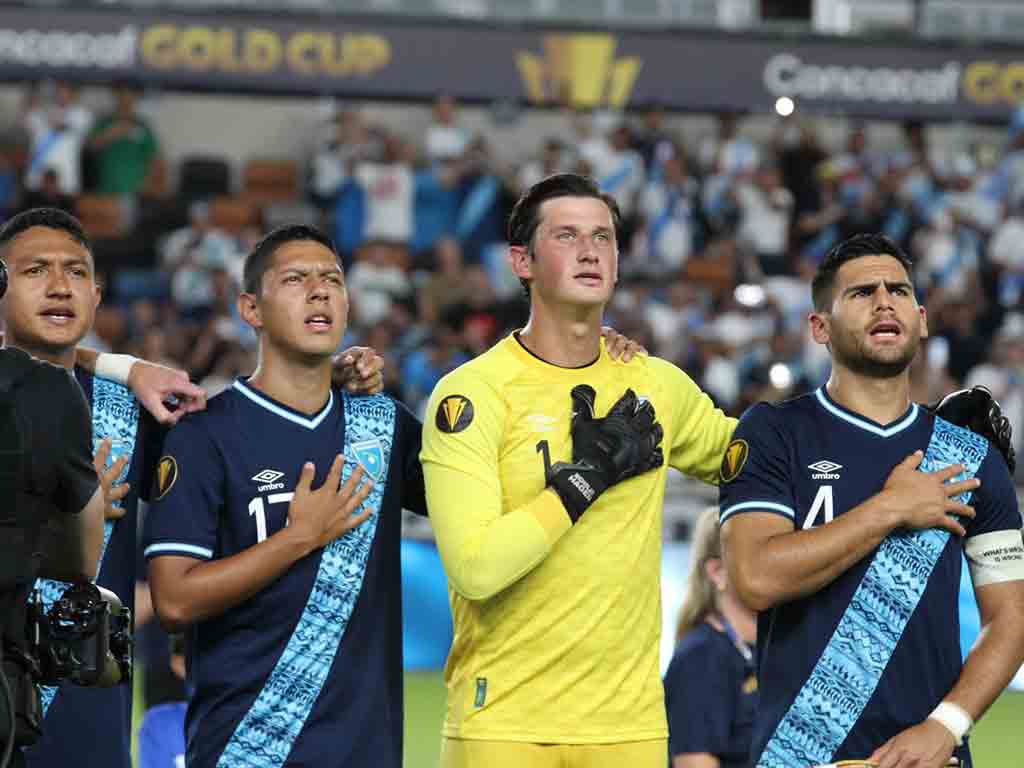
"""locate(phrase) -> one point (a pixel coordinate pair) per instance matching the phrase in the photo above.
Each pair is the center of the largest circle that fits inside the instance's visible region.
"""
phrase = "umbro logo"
(825, 470)
(269, 478)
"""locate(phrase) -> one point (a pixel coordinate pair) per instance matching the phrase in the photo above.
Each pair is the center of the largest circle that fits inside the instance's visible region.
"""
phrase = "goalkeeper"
(545, 463)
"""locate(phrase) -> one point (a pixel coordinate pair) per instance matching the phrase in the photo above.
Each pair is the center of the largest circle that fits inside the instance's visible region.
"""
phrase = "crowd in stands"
(719, 242)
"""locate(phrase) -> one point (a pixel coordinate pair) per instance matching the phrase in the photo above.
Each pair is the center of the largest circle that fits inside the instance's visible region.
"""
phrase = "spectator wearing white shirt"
(766, 209)
(445, 139)
(389, 186)
(57, 133)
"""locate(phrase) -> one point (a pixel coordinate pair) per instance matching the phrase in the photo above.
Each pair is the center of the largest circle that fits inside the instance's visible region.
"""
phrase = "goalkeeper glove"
(975, 409)
(606, 451)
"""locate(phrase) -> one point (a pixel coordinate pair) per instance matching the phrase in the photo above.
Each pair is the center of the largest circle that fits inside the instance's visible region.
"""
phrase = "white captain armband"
(995, 557)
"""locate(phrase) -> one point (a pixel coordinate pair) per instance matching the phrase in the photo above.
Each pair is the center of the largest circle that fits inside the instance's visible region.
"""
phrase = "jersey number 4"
(823, 501)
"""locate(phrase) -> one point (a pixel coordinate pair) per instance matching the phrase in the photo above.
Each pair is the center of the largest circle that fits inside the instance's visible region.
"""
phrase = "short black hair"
(867, 244)
(51, 218)
(525, 216)
(258, 260)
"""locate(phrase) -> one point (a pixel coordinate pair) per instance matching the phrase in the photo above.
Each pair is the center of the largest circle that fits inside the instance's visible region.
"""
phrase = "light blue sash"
(479, 200)
(265, 736)
(832, 699)
(115, 414)
(618, 177)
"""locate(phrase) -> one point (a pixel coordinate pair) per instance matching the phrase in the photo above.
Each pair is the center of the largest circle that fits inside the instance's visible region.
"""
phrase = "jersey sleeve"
(76, 476)
(755, 474)
(414, 495)
(995, 501)
(484, 548)
(993, 547)
(188, 495)
(701, 432)
(700, 702)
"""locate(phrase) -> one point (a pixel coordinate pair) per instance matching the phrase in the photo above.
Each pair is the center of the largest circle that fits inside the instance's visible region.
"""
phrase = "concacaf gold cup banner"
(542, 66)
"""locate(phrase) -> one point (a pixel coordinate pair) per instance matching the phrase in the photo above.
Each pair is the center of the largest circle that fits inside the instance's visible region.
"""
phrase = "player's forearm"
(993, 661)
(789, 565)
(484, 551)
(209, 588)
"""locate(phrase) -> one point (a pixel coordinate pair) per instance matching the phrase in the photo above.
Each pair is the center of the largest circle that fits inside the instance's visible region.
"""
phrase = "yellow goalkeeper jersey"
(557, 627)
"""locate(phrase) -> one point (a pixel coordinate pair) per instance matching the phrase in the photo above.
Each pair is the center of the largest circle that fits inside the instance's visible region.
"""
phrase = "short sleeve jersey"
(223, 485)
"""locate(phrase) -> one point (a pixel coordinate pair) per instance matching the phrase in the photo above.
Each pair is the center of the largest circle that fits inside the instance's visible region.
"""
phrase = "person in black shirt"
(51, 502)
(711, 685)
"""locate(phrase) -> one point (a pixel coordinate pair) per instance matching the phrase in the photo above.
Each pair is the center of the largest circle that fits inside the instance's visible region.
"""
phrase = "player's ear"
(249, 310)
(924, 322)
(819, 325)
(520, 260)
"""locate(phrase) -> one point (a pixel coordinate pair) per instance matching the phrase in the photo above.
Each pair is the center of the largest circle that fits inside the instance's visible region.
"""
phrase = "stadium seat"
(268, 180)
(102, 216)
(233, 214)
(203, 177)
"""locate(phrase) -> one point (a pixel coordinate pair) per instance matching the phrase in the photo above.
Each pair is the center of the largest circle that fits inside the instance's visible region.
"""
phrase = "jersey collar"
(866, 424)
(282, 410)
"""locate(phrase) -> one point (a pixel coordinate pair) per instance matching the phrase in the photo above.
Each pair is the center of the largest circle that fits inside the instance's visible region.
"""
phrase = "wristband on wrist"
(954, 718)
(114, 367)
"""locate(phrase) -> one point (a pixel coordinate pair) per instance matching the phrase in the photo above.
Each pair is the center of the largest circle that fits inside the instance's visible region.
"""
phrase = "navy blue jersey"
(811, 460)
(710, 698)
(74, 715)
(307, 672)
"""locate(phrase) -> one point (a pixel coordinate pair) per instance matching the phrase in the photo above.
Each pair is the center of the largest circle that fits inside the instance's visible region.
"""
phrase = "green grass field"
(998, 741)
(995, 744)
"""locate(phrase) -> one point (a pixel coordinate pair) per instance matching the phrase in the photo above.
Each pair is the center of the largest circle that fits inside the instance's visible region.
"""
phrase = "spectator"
(57, 132)
(653, 142)
(669, 209)
(48, 194)
(388, 190)
(124, 147)
(711, 684)
(425, 366)
(446, 284)
(375, 282)
(191, 255)
(349, 140)
(766, 208)
(445, 140)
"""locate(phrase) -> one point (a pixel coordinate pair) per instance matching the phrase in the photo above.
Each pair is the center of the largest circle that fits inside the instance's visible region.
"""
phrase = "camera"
(84, 637)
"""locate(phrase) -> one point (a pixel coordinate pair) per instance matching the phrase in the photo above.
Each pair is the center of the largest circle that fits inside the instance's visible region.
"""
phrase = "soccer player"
(48, 308)
(274, 539)
(553, 558)
(845, 513)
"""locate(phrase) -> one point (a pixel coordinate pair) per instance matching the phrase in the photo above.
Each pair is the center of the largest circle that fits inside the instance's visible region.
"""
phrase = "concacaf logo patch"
(454, 414)
(734, 459)
(166, 476)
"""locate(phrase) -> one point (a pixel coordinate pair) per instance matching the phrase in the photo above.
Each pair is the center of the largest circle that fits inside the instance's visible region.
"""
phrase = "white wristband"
(955, 718)
(114, 367)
